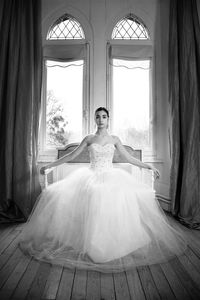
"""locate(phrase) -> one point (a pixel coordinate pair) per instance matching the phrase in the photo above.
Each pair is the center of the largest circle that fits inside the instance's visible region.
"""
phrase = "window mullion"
(43, 110)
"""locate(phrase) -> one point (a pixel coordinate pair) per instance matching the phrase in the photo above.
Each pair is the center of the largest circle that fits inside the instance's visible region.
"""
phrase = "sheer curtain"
(20, 88)
(184, 89)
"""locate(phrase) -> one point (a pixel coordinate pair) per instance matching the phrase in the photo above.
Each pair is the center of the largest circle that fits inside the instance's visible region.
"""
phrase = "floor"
(24, 278)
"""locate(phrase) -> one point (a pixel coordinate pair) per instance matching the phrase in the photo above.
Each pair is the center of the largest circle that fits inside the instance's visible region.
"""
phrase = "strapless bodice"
(101, 156)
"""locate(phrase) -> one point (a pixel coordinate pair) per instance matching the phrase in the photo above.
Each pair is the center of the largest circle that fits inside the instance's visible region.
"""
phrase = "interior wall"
(99, 17)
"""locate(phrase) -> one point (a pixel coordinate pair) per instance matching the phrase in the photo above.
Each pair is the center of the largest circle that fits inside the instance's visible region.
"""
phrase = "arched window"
(65, 85)
(66, 27)
(130, 28)
(129, 93)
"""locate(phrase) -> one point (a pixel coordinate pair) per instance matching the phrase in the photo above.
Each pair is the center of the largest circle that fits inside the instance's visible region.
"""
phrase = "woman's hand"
(43, 169)
(155, 171)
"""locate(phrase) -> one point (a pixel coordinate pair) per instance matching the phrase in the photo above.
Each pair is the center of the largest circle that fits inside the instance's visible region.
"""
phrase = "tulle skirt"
(104, 221)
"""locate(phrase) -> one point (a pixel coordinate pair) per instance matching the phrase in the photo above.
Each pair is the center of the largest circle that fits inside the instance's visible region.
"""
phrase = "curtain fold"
(184, 96)
(20, 94)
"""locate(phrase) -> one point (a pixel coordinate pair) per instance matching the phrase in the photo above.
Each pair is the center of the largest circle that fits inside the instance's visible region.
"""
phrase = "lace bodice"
(101, 156)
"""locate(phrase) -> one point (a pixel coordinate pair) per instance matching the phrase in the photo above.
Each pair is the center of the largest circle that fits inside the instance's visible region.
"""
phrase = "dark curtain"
(20, 89)
(184, 94)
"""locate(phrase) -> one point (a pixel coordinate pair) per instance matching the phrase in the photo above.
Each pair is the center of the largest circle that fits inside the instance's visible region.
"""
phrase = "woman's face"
(101, 119)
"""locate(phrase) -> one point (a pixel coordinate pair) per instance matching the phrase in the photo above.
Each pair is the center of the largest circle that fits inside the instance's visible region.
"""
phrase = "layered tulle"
(101, 220)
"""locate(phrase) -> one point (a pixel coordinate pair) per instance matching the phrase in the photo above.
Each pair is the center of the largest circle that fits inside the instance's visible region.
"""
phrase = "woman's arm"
(67, 157)
(122, 150)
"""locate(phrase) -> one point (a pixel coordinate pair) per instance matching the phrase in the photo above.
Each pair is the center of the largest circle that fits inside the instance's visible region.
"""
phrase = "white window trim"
(70, 18)
(47, 155)
(153, 155)
(51, 17)
(149, 155)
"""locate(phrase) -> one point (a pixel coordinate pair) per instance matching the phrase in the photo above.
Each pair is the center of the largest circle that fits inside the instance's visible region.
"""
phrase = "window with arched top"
(65, 85)
(130, 56)
(66, 28)
(130, 28)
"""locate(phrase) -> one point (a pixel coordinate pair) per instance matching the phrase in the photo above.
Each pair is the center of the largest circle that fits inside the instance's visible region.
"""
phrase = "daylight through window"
(130, 28)
(64, 102)
(131, 102)
(65, 28)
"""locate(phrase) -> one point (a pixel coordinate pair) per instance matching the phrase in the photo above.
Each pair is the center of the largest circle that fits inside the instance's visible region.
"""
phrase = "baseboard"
(164, 201)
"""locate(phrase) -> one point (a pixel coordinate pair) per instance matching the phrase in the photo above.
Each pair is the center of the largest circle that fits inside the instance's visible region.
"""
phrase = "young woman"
(100, 218)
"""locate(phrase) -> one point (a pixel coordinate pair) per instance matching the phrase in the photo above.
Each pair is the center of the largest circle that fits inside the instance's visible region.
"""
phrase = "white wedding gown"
(100, 218)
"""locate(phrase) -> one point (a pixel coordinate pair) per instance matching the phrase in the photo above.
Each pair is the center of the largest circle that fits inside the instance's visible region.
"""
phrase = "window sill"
(47, 156)
(151, 157)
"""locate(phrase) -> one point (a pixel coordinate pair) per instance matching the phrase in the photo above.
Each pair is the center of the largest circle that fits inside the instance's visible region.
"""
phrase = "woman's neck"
(101, 132)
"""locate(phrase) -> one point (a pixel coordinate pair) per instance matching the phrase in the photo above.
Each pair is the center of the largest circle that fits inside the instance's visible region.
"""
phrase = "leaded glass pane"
(130, 28)
(66, 28)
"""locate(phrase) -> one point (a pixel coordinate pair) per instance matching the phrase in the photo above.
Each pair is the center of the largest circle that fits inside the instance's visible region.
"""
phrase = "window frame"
(47, 155)
(147, 151)
(135, 19)
(149, 154)
(69, 16)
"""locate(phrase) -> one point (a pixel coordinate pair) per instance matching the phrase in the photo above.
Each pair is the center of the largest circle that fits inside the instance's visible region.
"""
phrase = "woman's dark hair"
(102, 108)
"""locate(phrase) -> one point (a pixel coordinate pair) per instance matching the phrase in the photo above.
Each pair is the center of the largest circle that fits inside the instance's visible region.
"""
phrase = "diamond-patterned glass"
(66, 28)
(130, 28)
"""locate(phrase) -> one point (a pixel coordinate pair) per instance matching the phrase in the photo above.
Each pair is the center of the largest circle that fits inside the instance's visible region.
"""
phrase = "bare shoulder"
(116, 139)
(87, 139)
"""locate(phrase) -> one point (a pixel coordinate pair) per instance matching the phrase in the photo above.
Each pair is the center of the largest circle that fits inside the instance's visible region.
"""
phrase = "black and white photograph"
(100, 149)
